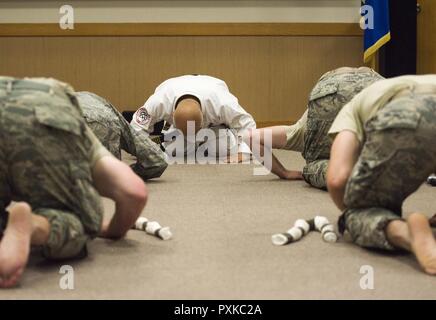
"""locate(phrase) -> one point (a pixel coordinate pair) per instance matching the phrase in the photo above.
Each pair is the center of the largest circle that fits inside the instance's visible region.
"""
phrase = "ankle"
(40, 230)
(397, 234)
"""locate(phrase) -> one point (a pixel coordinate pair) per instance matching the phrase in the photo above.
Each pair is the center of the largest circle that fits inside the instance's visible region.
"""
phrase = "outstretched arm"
(278, 141)
(115, 180)
(343, 156)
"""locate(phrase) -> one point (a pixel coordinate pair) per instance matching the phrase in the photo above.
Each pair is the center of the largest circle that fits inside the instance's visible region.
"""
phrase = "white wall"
(184, 11)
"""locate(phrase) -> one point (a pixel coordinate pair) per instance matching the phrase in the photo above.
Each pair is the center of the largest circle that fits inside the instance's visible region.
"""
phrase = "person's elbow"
(336, 181)
(137, 193)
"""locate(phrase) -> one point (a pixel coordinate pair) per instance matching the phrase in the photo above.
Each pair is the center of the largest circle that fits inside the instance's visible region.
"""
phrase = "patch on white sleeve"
(142, 116)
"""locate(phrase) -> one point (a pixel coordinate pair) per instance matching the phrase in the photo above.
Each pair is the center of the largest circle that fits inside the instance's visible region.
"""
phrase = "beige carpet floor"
(223, 218)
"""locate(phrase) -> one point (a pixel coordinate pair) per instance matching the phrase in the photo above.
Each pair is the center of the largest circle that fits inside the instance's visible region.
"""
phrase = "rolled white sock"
(280, 239)
(153, 228)
(299, 230)
(140, 223)
(326, 228)
(328, 234)
(303, 225)
(165, 233)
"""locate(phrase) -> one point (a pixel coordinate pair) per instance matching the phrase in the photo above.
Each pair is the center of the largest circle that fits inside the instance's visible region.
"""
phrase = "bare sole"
(15, 245)
(423, 242)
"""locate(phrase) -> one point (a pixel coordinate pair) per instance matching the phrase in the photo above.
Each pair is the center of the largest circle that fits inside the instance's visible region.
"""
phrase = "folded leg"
(315, 173)
(67, 237)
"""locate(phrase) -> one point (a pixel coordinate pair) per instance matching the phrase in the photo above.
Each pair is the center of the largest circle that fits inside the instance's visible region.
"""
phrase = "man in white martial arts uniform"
(206, 102)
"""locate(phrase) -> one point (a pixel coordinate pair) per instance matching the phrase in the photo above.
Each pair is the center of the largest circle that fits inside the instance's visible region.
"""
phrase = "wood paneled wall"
(271, 75)
(426, 37)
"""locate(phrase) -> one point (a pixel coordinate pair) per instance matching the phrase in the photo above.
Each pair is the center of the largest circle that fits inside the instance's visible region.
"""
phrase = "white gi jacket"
(219, 106)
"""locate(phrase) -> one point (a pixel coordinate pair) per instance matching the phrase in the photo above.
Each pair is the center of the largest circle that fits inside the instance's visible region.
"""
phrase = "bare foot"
(15, 245)
(422, 242)
(293, 175)
(397, 233)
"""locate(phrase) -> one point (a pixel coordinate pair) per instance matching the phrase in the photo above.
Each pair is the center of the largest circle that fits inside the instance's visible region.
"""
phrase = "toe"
(430, 271)
(12, 280)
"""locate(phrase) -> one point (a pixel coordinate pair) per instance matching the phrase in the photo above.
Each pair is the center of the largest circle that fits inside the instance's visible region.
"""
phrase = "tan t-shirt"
(365, 105)
(295, 134)
(97, 151)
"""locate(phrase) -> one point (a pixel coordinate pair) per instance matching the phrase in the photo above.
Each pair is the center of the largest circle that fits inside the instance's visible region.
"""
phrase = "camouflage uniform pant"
(45, 161)
(398, 155)
(116, 134)
(333, 91)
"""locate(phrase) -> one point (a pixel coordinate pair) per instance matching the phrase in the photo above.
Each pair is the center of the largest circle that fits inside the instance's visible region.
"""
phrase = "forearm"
(115, 180)
(337, 195)
(277, 168)
(122, 220)
(343, 156)
(274, 137)
(270, 161)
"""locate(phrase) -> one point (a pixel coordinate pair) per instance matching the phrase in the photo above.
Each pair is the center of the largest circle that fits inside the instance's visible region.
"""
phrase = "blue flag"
(377, 29)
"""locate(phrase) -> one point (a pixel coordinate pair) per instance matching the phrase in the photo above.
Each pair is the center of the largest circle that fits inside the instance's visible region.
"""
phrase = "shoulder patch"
(142, 116)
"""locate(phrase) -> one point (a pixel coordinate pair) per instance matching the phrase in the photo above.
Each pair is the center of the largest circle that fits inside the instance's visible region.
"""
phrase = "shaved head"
(188, 109)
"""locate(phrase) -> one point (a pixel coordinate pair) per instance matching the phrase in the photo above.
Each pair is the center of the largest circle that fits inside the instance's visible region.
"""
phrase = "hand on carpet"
(238, 159)
(292, 175)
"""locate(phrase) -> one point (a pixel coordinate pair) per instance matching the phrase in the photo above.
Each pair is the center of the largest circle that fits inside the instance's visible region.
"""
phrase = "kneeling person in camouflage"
(116, 134)
(55, 169)
(383, 151)
(309, 135)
